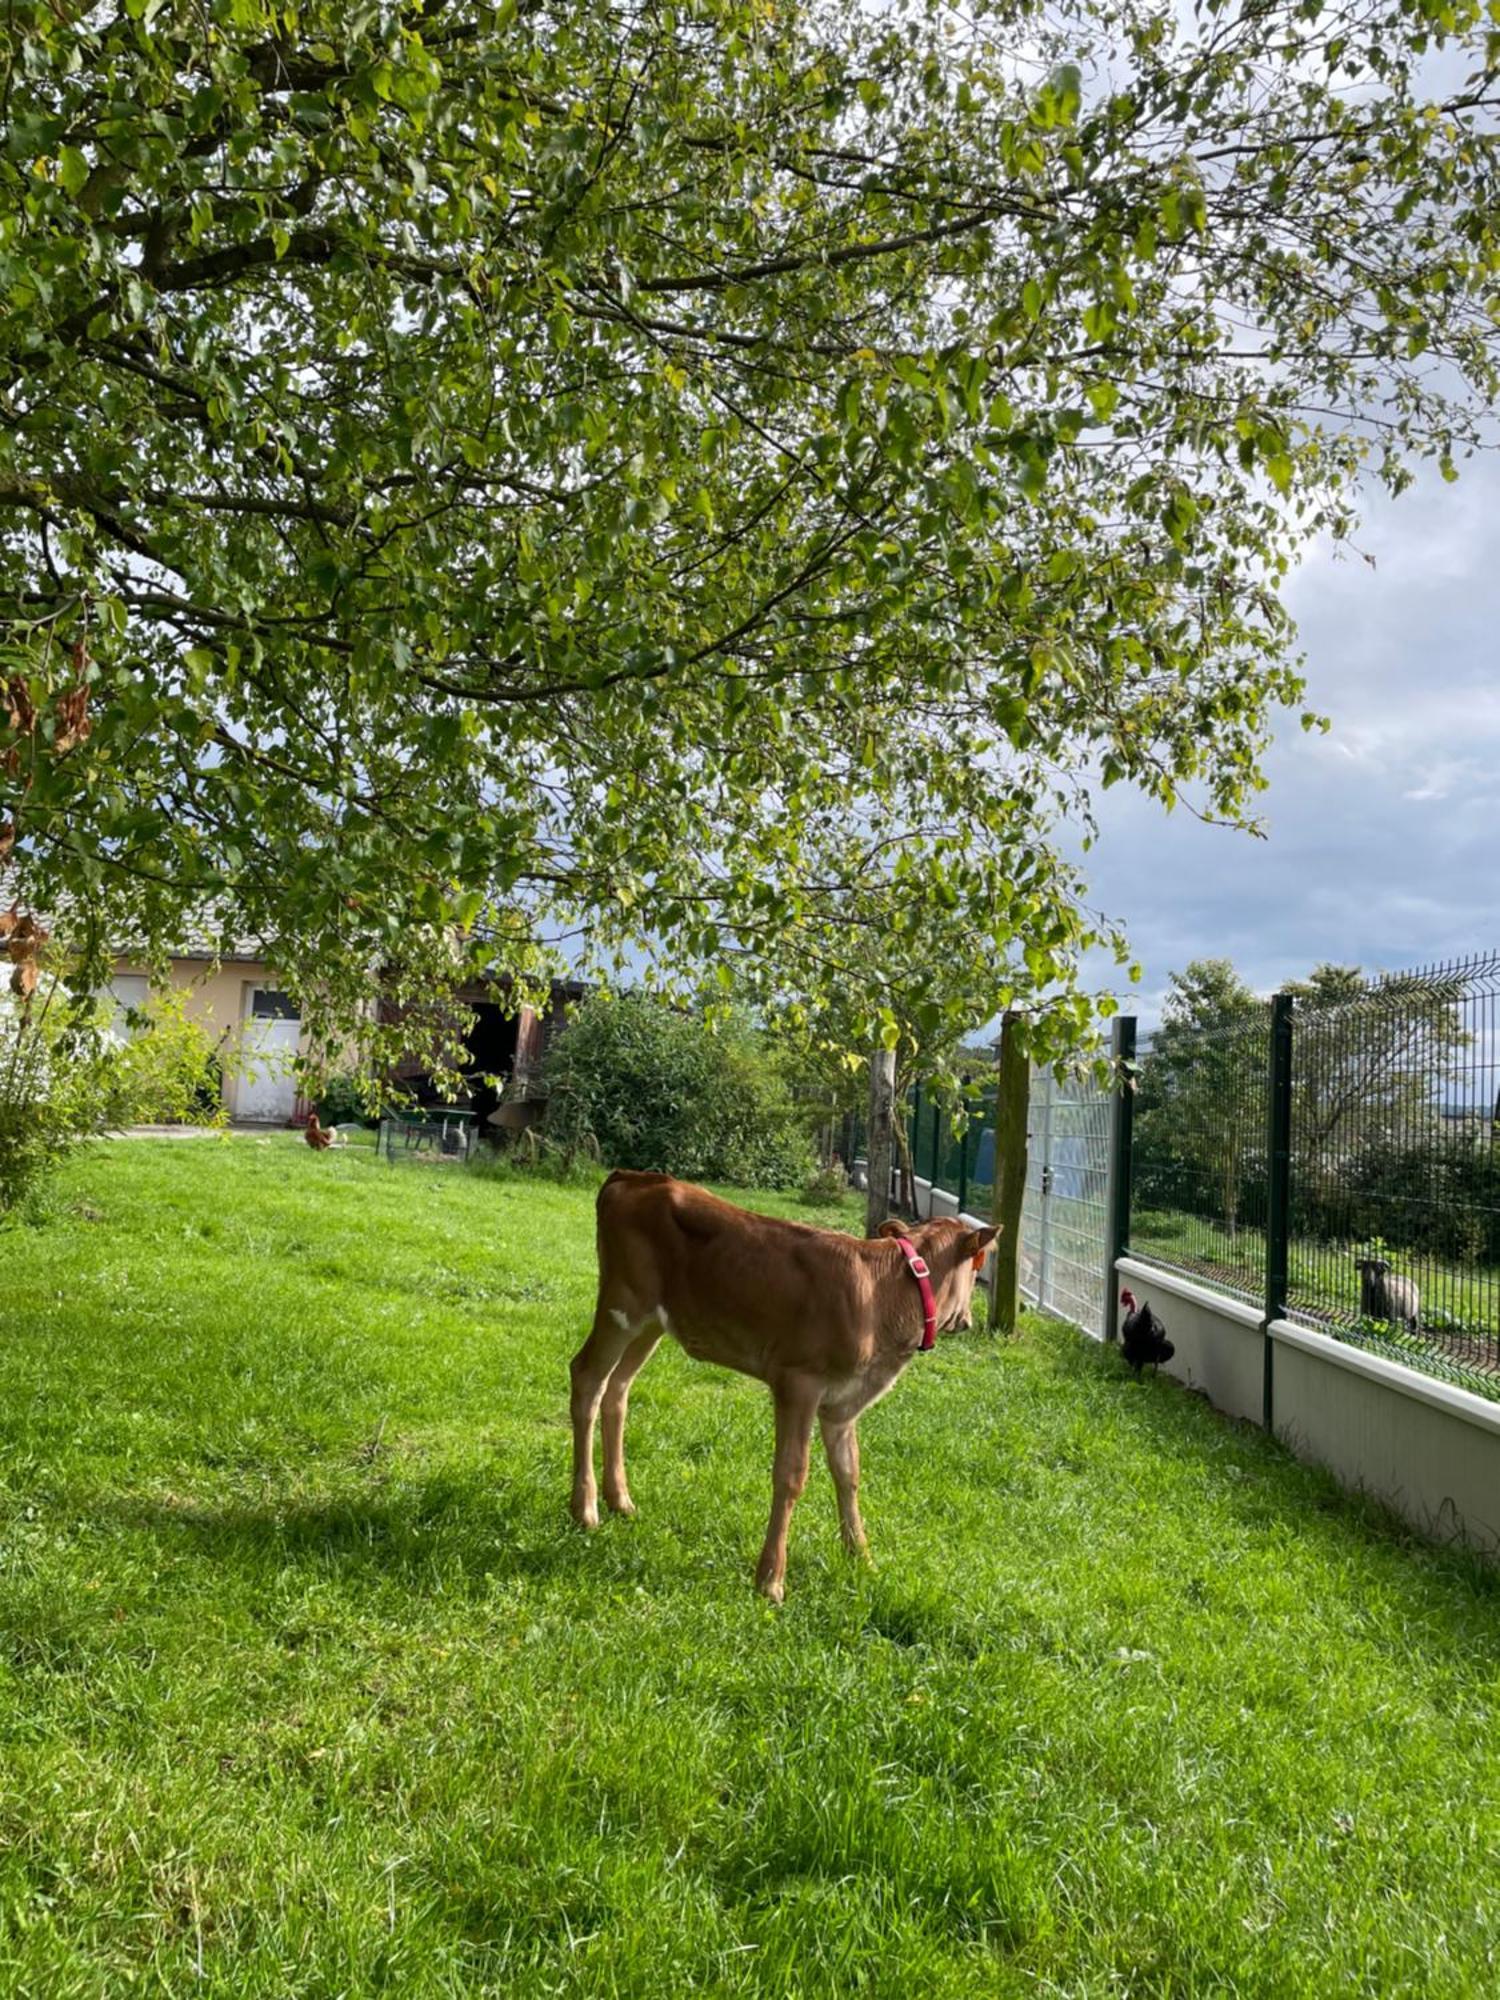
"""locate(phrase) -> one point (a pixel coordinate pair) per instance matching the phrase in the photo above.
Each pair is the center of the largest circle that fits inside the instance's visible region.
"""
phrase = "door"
(267, 1090)
(128, 993)
(1065, 1213)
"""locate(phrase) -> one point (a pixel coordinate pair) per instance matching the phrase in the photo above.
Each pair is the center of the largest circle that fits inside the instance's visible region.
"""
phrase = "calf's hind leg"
(593, 1365)
(612, 1419)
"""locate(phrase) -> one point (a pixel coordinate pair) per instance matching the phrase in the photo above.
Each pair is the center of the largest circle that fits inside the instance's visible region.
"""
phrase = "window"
(269, 1004)
(129, 992)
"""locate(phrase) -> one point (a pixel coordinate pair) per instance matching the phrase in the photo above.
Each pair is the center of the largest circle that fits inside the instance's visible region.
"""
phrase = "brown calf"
(826, 1321)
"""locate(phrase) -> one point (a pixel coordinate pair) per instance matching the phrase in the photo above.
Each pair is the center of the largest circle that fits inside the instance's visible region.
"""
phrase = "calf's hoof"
(586, 1516)
(621, 1504)
(772, 1588)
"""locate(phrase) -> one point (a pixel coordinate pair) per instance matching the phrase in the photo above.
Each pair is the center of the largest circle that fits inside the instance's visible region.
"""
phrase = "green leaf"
(72, 169)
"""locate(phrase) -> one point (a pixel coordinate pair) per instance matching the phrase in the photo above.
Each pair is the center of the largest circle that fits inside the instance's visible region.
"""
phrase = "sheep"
(1384, 1294)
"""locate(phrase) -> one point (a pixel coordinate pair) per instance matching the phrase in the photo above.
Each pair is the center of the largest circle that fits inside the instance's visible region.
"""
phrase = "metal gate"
(1065, 1214)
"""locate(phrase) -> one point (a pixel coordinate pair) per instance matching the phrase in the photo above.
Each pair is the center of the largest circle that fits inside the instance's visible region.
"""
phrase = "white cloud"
(1380, 847)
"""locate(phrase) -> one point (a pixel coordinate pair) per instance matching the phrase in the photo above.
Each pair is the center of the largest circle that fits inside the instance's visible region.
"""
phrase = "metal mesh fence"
(953, 1144)
(1200, 1167)
(1065, 1213)
(1393, 1172)
(1395, 1166)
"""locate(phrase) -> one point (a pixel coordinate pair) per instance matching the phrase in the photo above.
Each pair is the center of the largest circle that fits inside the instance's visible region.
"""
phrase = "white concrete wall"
(1427, 1448)
(1218, 1340)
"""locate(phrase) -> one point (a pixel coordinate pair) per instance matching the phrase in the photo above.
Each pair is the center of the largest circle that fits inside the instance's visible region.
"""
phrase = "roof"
(208, 938)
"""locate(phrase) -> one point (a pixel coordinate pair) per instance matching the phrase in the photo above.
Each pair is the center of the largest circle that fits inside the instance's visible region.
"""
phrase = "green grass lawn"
(1459, 1336)
(308, 1686)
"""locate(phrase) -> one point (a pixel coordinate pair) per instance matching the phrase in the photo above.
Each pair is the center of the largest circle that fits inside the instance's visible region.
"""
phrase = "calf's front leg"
(841, 1442)
(796, 1407)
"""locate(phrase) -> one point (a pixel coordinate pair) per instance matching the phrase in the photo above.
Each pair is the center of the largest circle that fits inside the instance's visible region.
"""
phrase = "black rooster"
(1143, 1338)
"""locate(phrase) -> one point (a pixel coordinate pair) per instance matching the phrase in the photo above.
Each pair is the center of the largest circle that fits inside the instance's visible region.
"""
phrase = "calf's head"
(953, 1254)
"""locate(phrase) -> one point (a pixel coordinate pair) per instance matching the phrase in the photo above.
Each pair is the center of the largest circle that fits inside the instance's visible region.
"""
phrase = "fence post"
(1121, 1165)
(1012, 1107)
(1278, 1202)
(1044, 1206)
(878, 1141)
(963, 1168)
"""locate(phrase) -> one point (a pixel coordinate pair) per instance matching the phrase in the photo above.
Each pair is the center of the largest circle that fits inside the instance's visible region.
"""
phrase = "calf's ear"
(977, 1242)
(894, 1227)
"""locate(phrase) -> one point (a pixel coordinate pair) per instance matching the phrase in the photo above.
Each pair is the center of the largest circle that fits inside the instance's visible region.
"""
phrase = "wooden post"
(1012, 1105)
(879, 1140)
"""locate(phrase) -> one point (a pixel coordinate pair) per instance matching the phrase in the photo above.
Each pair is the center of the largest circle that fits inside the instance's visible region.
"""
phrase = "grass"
(307, 1685)
(1458, 1338)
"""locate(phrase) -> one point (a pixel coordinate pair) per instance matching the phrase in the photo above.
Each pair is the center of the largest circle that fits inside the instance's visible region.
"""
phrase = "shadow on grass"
(441, 1532)
(462, 1530)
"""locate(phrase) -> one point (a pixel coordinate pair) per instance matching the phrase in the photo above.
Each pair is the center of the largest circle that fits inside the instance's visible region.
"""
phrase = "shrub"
(343, 1101)
(658, 1088)
(167, 1073)
(50, 1088)
(63, 1075)
(828, 1184)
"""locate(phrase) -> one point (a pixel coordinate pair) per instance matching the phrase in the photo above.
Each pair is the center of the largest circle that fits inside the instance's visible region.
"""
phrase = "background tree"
(1374, 1061)
(1373, 1058)
(1200, 1125)
(712, 481)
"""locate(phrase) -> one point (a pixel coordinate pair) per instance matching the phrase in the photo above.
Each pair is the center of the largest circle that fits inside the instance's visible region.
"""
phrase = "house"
(235, 995)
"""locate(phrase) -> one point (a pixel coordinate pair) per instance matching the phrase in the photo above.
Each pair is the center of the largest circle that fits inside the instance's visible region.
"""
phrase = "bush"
(660, 1089)
(343, 1102)
(828, 1184)
(51, 1077)
(167, 1073)
(1436, 1194)
(63, 1074)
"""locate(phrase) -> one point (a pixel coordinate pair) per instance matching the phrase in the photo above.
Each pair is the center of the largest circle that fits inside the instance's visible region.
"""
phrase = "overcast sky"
(1383, 837)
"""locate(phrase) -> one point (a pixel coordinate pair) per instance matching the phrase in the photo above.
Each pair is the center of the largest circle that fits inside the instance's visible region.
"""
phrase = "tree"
(1371, 1156)
(1200, 1127)
(707, 480)
(1372, 1058)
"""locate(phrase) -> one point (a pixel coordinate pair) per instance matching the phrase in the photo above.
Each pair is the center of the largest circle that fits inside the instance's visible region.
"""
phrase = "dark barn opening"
(506, 1045)
(491, 1043)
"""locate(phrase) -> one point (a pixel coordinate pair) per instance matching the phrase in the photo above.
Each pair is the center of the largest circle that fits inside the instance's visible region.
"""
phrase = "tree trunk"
(905, 1172)
(1012, 1108)
(879, 1142)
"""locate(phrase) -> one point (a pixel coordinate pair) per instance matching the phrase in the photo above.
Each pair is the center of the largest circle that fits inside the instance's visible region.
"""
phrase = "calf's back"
(751, 1292)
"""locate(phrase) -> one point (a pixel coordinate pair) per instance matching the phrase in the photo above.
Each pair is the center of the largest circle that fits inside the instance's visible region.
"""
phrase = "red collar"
(924, 1284)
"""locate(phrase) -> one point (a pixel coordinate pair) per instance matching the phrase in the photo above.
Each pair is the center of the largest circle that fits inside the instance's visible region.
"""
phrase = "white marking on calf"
(656, 1317)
